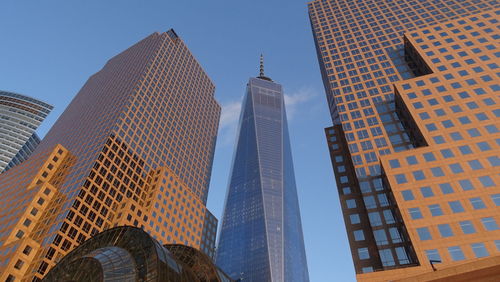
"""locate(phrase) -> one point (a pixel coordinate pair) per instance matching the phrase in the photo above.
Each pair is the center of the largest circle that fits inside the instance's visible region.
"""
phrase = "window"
(380, 237)
(424, 234)
(359, 235)
(437, 171)
(475, 164)
(465, 150)
(386, 257)
(435, 210)
(479, 250)
(447, 153)
(456, 253)
(456, 168)
(367, 269)
(477, 203)
(446, 188)
(445, 230)
(401, 179)
(415, 213)
(429, 157)
(19, 264)
(486, 181)
(496, 199)
(27, 250)
(375, 219)
(351, 203)
(456, 206)
(363, 253)
(466, 185)
(467, 227)
(407, 195)
(426, 192)
(354, 218)
(411, 160)
(489, 223)
(394, 163)
(418, 175)
(433, 255)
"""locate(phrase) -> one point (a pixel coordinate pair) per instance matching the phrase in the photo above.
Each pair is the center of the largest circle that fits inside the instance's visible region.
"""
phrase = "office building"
(20, 116)
(261, 234)
(134, 147)
(412, 88)
(118, 254)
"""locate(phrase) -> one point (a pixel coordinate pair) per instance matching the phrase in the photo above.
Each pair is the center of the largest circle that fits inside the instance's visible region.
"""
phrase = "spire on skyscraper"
(261, 73)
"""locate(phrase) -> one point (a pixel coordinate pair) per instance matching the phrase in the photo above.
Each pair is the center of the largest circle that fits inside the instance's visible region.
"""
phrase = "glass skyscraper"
(20, 116)
(412, 88)
(261, 234)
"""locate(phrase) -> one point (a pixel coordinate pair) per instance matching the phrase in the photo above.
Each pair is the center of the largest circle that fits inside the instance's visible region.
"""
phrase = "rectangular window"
(380, 237)
(351, 203)
(424, 234)
(489, 223)
(363, 253)
(496, 199)
(479, 250)
(466, 185)
(477, 203)
(433, 255)
(456, 253)
(456, 206)
(445, 230)
(408, 195)
(435, 210)
(359, 235)
(426, 192)
(467, 227)
(446, 188)
(354, 218)
(415, 213)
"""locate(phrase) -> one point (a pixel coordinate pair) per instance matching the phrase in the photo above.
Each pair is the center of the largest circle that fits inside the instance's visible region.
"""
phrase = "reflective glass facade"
(129, 254)
(366, 52)
(261, 234)
(20, 116)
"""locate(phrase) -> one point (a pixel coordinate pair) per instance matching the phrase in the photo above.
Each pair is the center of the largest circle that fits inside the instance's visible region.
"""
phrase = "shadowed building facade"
(20, 116)
(134, 147)
(413, 94)
(261, 234)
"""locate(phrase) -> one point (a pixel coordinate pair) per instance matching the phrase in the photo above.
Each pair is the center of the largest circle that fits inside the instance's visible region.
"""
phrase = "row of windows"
(456, 253)
(489, 224)
(455, 206)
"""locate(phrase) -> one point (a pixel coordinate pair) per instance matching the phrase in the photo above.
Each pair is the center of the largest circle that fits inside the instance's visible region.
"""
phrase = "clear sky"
(48, 49)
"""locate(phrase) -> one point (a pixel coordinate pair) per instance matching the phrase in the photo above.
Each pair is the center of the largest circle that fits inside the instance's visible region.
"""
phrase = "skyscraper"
(261, 234)
(20, 116)
(404, 81)
(134, 147)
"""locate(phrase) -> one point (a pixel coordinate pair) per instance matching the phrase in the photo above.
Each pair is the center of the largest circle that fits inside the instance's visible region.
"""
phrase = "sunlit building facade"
(261, 233)
(134, 147)
(413, 93)
(20, 116)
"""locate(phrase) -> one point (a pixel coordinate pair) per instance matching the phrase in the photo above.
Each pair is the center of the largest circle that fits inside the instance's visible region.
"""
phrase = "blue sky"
(48, 49)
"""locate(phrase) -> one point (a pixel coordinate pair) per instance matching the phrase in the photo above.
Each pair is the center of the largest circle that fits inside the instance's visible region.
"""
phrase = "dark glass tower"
(261, 236)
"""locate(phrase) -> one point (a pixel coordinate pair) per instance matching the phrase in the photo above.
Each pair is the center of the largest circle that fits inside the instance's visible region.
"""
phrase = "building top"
(261, 73)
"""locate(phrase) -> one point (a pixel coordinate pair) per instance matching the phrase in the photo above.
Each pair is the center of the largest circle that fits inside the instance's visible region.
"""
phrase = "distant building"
(20, 116)
(261, 235)
(134, 147)
(413, 89)
(128, 254)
